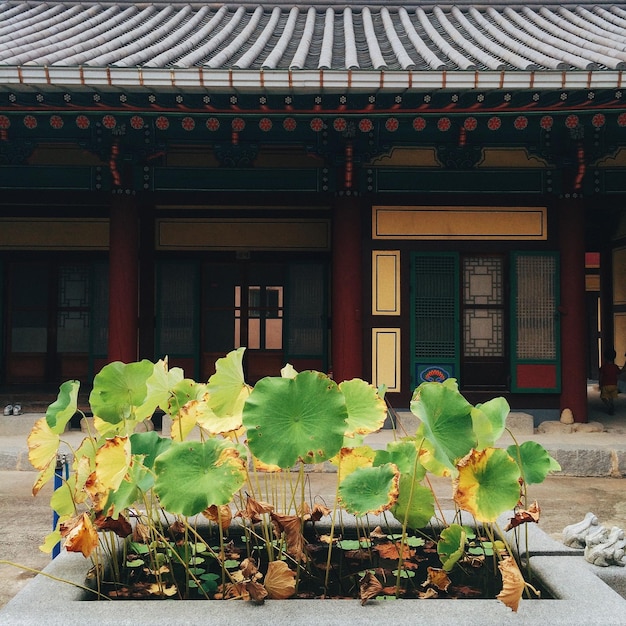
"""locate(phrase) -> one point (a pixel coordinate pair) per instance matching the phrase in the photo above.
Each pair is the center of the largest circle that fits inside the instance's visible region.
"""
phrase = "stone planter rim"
(582, 598)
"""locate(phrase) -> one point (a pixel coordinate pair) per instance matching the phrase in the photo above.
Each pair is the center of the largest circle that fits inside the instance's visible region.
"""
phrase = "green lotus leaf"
(415, 503)
(60, 412)
(227, 387)
(534, 461)
(184, 391)
(487, 484)
(161, 382)
(451, 546)
(193, 475)
(370, 489)
(149, 445)
(62, 499)
(367, 411)
(120, 390)
(291, 419)
(403, 453)
(489, 420)
(446, 420)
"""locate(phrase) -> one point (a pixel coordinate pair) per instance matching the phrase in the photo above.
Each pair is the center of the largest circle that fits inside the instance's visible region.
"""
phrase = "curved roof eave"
(300, 81)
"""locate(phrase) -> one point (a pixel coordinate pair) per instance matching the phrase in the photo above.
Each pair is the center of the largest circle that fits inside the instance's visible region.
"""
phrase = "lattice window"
(483, 333)
(536, 307)
(177, 308)
(305, 333)
(483, 317)
(435, 306)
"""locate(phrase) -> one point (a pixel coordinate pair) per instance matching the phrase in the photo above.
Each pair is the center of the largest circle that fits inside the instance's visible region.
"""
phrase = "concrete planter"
(581, 598)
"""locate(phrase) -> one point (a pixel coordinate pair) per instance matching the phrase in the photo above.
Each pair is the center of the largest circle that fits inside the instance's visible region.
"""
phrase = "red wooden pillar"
(123, 278)
(573, 309)
(347, 291)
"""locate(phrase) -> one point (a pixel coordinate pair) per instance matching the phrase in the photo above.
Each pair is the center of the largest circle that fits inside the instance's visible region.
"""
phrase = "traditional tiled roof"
(285, 47)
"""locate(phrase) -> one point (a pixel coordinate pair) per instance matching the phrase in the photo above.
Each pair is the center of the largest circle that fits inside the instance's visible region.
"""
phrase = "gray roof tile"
(357, 36)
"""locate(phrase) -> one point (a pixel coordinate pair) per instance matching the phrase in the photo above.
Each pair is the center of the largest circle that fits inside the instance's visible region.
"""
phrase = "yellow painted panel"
(592, 282)
(386, 358)
(240, 234)
(619, 276)
(451, 222)
(386, 282)
(510, 157)
(54, 234)
(408, 157)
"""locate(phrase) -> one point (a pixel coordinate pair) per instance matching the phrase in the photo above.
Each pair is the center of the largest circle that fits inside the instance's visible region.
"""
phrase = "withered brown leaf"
(280, 580)
(291, 525)
(525, 516)
(513, 583)
(437, 577)
(369, 587)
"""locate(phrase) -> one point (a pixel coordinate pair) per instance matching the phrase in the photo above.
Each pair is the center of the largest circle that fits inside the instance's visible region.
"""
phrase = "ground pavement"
(24, 520)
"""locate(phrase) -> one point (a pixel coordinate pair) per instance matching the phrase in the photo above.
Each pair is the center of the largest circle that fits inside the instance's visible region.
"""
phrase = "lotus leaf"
(119, 392)
(487, 484)
(149, 445)
(534, 461)
(349, 459)
(137, 481)
(112, 462)
(160, 383)
(416, 503)
(60, 412)
(489, 420)
(451, 545)
(292, 419)
(367, 411)
(228, 390)
(403, 454)
(446, 420)
(370, 489)
(193, 475)
(183, 392)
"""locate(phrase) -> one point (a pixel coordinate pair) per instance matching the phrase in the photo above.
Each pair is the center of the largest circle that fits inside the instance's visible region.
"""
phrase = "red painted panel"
(536, 376)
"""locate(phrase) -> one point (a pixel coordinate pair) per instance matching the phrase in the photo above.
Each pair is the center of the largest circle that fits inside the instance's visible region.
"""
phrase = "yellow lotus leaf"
(112, 462)
(97, 492)
(43, 477)
(221, 515)
(226, 418)
(280, 580)
(350, 459)
(83, 468)
(185, 421)
(51, 541)
(513, 583)
(106, 429)
(369, 587)
(43, 445)
(80, 535)
(157, 589)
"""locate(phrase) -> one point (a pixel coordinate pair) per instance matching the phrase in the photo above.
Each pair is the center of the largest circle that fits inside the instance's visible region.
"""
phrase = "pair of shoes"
(8, 409)
(17, 409)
